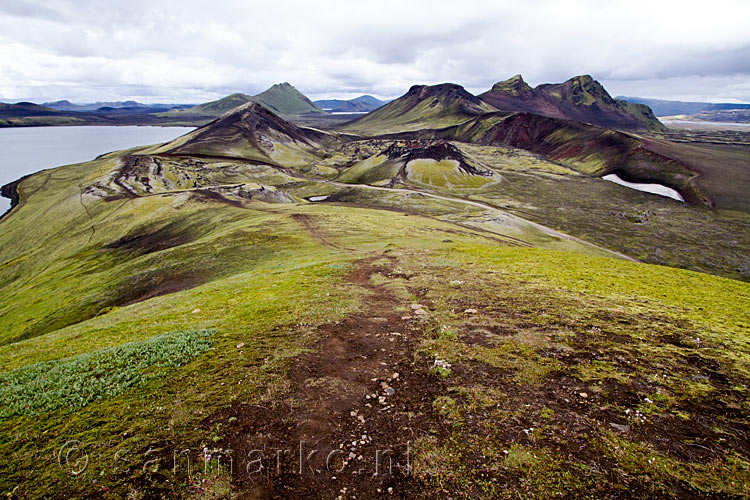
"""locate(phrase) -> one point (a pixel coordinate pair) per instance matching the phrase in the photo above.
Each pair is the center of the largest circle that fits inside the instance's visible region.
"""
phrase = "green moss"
(595, 370)
(75, 382)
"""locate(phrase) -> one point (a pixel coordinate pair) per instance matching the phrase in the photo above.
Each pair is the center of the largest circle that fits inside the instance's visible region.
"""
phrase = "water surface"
(25, 150)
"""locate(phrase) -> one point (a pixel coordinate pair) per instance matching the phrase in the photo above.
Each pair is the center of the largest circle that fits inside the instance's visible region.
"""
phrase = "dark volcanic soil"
(356, 398)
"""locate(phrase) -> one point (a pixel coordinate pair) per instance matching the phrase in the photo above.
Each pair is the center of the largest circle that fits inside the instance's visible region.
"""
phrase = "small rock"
(416, 306)
(583, 395)
(390, 391)
(471, 311)
(420, 312)
(196, 311)
(620, 427)
(395, 375)
(240, 345)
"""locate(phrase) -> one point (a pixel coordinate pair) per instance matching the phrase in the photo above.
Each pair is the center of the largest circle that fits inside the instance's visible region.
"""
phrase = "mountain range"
(581, 99)
(66, 105)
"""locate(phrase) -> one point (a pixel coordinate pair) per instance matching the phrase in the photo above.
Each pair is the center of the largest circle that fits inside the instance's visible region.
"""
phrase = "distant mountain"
(25, 109)
(364, 103)
(581, 98)
(421, 107)
(24, 114)
(106, 106)
(284, 99)
(662, 107)
(68, 106)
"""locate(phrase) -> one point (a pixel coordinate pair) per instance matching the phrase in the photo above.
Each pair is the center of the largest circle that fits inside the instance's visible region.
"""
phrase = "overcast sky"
(193, 51)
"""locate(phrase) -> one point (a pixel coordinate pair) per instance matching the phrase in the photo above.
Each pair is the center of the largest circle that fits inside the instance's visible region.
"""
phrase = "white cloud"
(191, 51)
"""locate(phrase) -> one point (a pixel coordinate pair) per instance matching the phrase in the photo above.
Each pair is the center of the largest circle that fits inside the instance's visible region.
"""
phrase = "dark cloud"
(32, 10)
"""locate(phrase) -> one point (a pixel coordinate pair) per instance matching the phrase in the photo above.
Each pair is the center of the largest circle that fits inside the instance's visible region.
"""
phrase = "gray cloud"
(155, 50)
(32, 10)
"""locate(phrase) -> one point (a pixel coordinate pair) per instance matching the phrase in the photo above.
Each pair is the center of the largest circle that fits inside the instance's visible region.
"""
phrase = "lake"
(31, 149)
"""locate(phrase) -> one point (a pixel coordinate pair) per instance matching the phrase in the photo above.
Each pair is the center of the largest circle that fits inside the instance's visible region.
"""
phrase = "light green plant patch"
(75, 382)
(595, 371)
(445, 174)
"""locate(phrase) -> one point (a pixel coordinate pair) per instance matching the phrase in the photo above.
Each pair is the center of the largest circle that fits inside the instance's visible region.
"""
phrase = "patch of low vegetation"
(72, 383)
(561, 384)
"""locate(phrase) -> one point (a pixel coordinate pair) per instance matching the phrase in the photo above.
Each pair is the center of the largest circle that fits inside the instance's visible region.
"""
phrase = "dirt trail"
(311, 227)
(358, 398)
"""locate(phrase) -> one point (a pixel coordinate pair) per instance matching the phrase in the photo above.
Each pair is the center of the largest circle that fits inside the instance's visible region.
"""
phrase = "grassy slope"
(398, 116)
(268, 277)
(561, 348)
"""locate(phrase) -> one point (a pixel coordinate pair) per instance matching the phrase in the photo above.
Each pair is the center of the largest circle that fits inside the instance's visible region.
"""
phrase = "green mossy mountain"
(423, 106)
(581, 98)
(284, 99)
